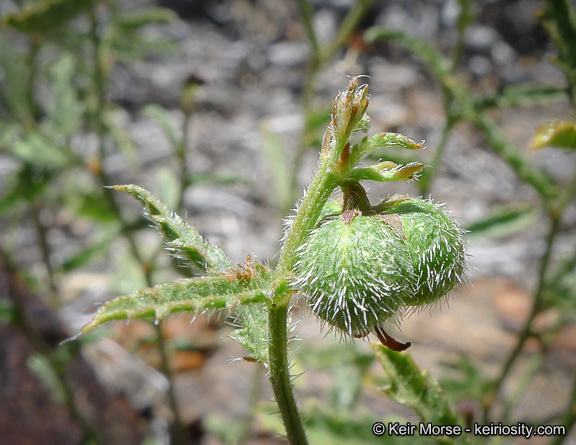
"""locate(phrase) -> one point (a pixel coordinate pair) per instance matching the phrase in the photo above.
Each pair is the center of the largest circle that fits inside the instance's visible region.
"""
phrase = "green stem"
(279, 372)
(463, 21)
(46, 254)
(537, 178)
(348, 25)
(307, 14)
(322, 186)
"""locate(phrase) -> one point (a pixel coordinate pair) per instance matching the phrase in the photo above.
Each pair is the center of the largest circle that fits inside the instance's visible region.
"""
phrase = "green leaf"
(46, 15)
(253, 333)
(36, 149)
(382, 140)
(184, 241)
(560, 134)
(386, 172)
(142, 17)
(504, 221)
(64, 110)
(225, 291)
(417, 390)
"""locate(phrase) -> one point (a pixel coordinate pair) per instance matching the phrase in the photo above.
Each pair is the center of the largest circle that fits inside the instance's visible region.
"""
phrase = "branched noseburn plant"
(358, 266)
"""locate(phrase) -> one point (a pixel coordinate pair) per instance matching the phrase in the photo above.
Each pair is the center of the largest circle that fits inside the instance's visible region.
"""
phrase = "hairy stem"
(279, 373)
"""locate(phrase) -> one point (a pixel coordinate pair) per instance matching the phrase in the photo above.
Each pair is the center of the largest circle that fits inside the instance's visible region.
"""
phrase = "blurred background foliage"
(219, 106)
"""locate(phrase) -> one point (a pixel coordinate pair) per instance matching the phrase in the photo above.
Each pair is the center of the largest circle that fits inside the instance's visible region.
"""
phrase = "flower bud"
(435, 244)
(355, 272)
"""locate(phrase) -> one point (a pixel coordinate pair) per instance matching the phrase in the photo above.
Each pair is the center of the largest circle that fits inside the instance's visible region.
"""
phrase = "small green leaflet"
(560, 134)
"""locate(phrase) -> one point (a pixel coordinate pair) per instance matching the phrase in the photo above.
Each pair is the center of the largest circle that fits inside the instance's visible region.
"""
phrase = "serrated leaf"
(504, 221)
(64, 110)
(417, 390)
(387, 172)
(46, 15)
(253, 333)
(184, 241)
(226, 291)
(560, 134)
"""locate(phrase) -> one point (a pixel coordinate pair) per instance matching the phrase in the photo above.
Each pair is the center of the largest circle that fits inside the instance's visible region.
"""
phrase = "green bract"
(359, 270)
(355, 272)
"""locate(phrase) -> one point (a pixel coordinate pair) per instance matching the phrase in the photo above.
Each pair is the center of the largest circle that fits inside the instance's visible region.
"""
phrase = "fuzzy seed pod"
(355, 272)
(435, 244)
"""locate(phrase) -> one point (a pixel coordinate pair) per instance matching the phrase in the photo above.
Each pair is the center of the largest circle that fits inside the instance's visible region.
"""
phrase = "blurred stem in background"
(319, 57)
(16, 290)
(178, 430)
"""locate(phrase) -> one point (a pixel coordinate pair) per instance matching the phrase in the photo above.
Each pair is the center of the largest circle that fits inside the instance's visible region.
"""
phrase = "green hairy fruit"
(358, 270)
(435, 244)
(355, 272)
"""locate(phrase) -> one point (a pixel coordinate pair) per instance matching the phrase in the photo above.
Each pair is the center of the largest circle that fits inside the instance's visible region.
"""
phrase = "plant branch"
(526, 332)
(279, 373)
